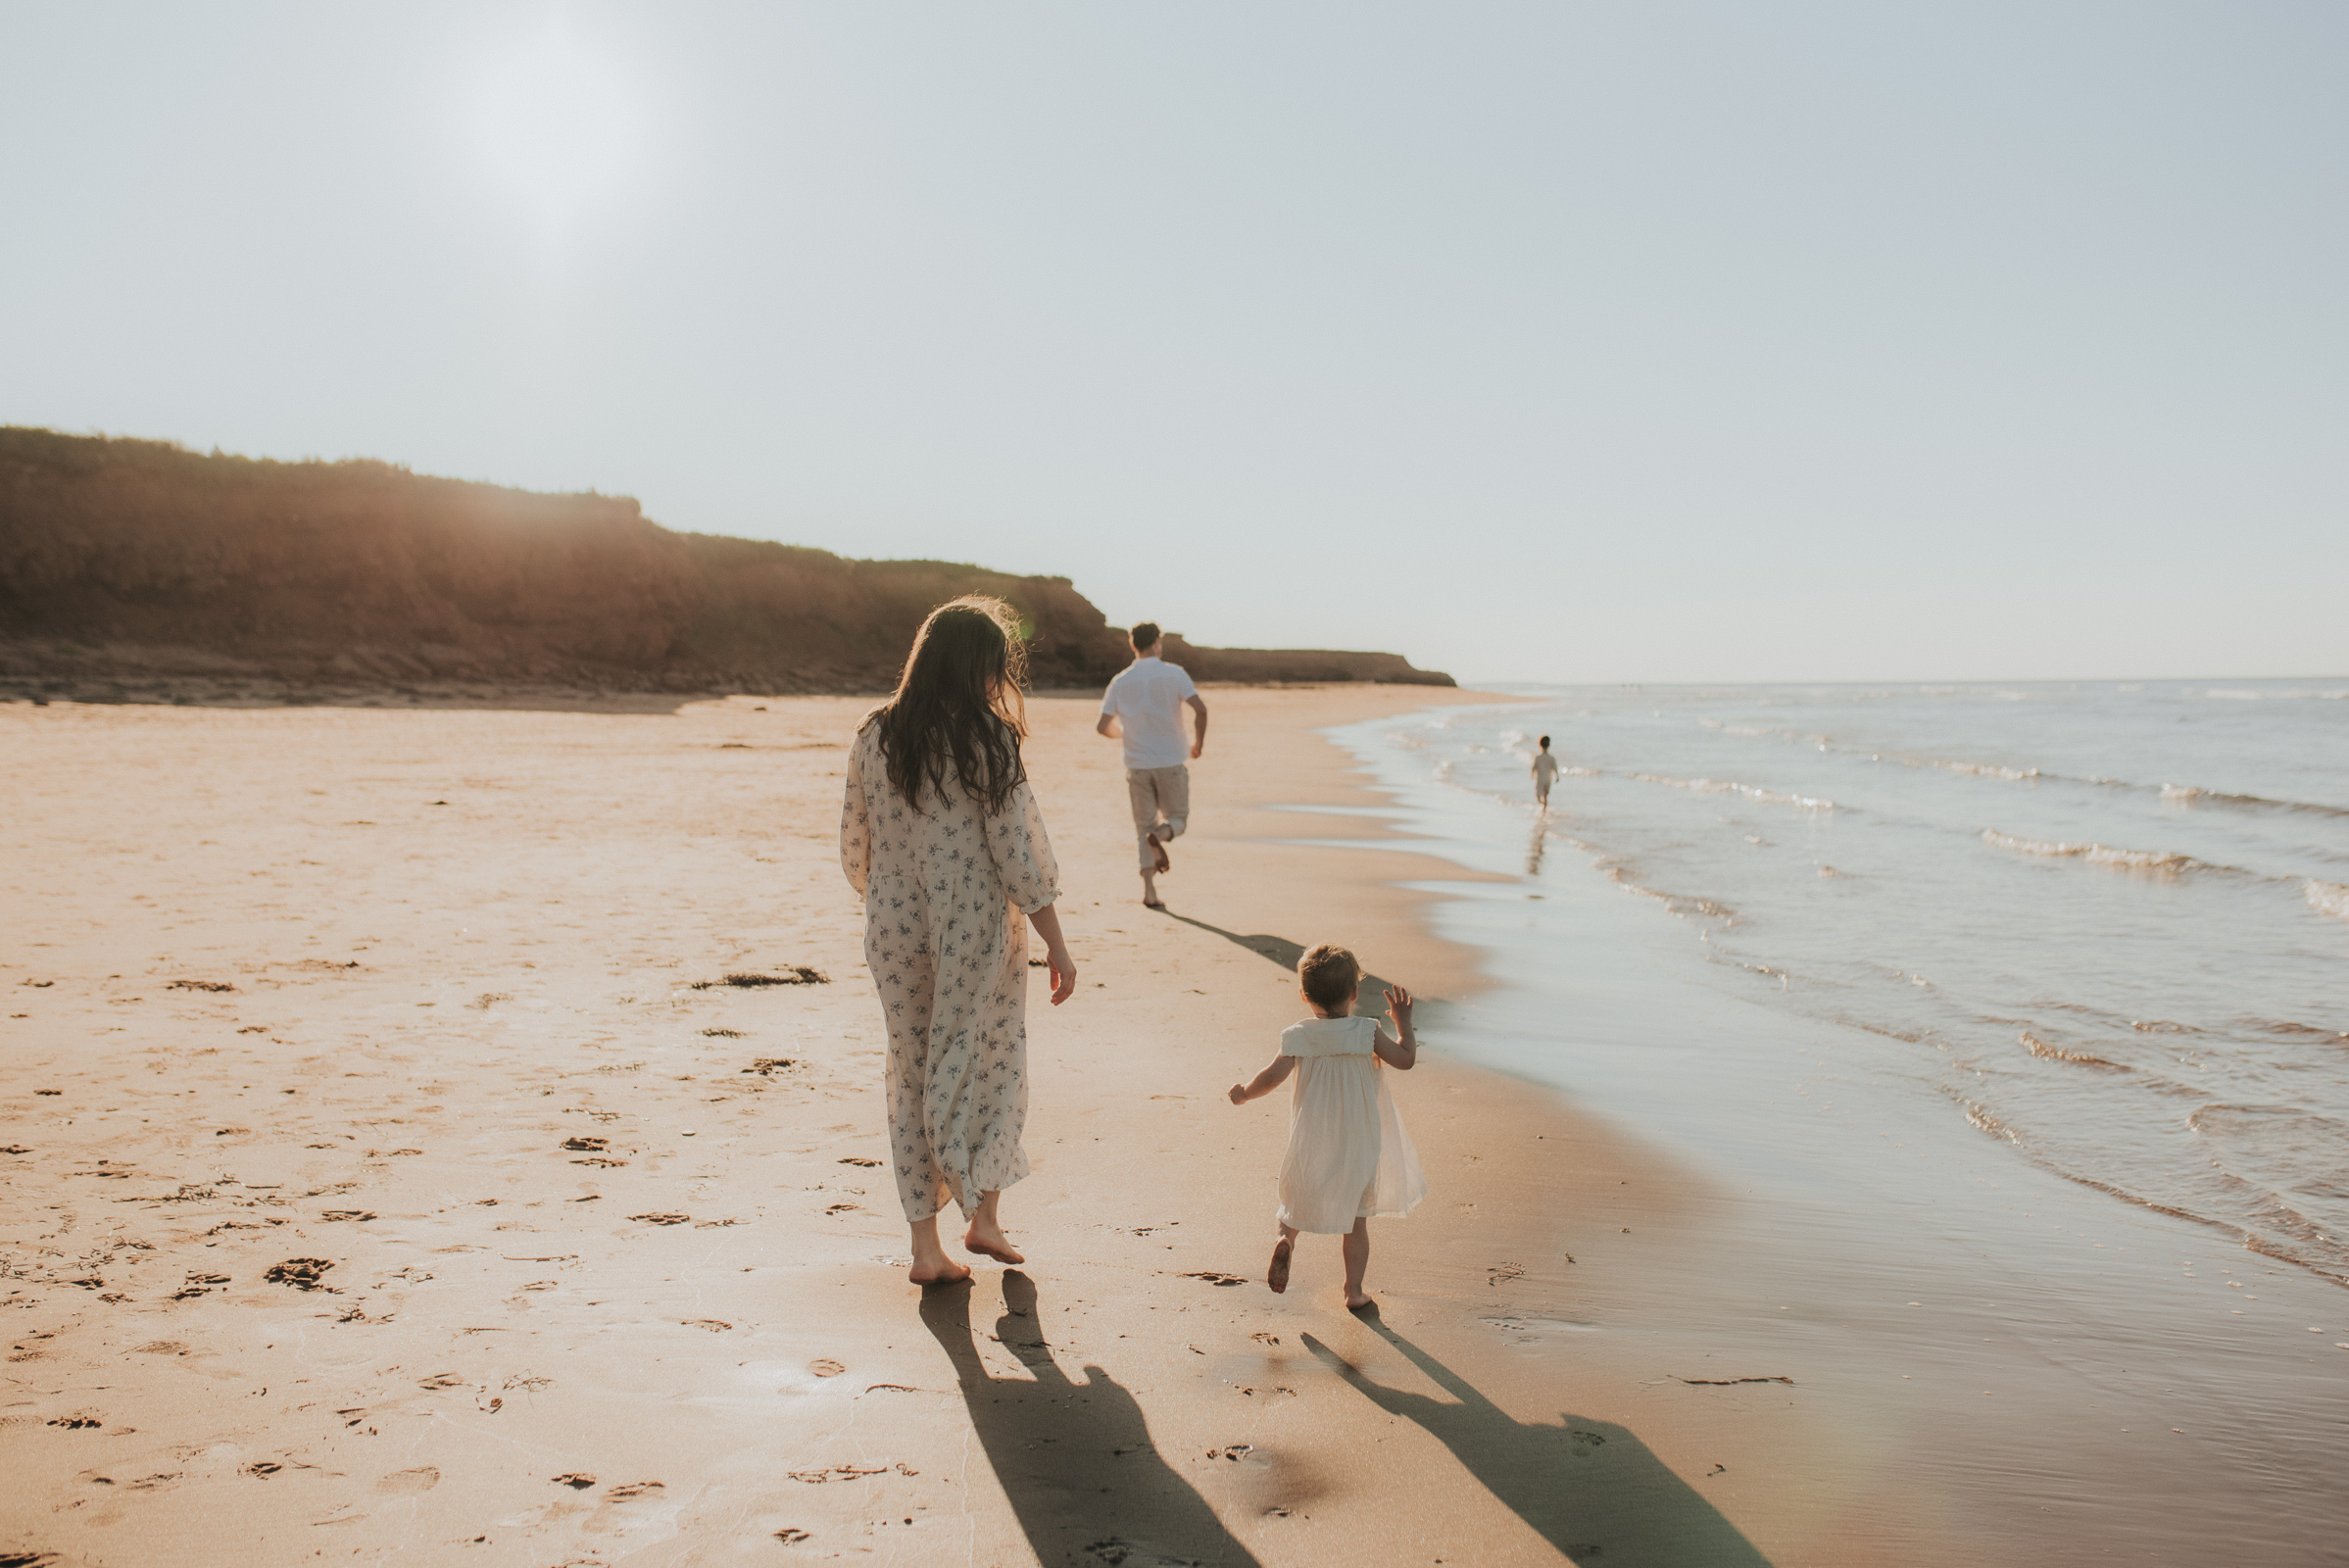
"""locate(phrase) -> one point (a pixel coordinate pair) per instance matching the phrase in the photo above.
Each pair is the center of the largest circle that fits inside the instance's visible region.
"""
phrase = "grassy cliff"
(125, 560)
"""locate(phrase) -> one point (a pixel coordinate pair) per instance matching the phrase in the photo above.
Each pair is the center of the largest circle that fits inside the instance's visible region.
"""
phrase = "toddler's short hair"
(1330, 975)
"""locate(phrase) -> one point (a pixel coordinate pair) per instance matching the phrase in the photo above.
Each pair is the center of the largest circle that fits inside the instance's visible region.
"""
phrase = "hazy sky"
(1610, 342)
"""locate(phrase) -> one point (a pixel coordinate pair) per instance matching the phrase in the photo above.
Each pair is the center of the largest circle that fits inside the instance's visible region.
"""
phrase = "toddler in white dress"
(1348, 1156)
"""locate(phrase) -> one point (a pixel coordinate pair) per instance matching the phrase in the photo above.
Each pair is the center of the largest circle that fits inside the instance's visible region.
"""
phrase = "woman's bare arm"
(1265, 1082)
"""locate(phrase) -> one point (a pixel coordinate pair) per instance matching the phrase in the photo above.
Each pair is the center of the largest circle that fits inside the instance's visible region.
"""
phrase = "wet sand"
(392, 1169)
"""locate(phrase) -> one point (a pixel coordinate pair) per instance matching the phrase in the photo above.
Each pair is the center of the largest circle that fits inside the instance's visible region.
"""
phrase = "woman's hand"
(1057, 963)
(1239, 1094)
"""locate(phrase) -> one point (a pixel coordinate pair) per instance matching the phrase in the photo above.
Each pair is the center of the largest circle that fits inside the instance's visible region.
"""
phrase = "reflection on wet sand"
(1590, 1488)
(1075, 1458)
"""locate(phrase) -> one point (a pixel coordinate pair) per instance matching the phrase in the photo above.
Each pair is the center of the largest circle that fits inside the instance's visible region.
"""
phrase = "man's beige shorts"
(1161, 799)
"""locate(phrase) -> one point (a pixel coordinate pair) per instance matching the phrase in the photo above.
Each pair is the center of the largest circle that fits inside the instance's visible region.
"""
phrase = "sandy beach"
(392, 1172)
(447, 1135)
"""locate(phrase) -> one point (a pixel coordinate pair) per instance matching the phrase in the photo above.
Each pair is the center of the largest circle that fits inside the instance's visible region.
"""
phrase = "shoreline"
(2073, 1373)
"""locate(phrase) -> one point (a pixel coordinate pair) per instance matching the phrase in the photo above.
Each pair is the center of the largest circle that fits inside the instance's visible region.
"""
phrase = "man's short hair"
(1330, 975)
(1144, 634)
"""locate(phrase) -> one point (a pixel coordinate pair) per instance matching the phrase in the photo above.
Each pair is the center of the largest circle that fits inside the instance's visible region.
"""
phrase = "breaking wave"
(2191, 795)
(1715, 786)
(2041, 1048)
(2158, 861)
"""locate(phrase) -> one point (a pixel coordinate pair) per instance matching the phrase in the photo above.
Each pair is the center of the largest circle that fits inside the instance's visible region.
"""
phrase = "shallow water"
(2105, 925)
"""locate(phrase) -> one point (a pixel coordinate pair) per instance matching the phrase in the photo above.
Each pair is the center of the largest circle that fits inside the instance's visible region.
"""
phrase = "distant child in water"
(1545, 773)
(1348, 1156)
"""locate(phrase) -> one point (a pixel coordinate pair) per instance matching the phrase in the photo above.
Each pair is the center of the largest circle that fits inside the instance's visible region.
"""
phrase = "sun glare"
(559, 122)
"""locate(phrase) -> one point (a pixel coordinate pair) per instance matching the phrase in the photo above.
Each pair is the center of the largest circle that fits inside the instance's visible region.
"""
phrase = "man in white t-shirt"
(1143, 707)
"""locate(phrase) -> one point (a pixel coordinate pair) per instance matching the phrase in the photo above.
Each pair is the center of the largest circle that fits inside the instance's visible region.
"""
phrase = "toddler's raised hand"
(1399, 1003)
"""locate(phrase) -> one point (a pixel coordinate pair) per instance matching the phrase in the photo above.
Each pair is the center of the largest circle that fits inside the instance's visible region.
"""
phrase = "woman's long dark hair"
(958, 714)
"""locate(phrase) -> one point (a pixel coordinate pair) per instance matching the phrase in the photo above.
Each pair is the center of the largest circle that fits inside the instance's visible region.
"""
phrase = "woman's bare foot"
(1355, 1300)
(989, 1240)
(1277, 1276)
(931, 1266)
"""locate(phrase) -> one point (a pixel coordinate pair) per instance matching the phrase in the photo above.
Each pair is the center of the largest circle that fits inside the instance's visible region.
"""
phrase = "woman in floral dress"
(941, 834)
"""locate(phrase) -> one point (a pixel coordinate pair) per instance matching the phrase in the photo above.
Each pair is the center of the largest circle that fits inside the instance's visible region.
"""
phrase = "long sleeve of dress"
(855, 825)
(1022, 853)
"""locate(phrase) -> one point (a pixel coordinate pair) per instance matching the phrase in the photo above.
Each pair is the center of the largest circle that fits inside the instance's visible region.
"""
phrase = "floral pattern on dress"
(945, 888)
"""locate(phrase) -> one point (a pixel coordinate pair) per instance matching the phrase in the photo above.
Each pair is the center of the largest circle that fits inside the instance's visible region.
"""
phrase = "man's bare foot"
(1357, 1302)
(1277, 1276)
(989, 1242)
(1154, 903)
(1159, 850)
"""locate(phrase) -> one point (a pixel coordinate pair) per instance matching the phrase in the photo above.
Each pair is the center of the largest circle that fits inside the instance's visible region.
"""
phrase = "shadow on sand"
(1589, 1488)
(1369, 997)
(1075, 1458)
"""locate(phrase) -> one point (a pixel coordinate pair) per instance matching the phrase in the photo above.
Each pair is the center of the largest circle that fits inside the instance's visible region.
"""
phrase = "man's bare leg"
(1356, 1250)
(986, 1234)
(931, 1266)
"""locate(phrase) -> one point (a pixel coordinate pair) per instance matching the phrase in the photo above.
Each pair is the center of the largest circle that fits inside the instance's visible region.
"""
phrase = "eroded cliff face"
(1262, 667)
(120, 559)
(139, 568)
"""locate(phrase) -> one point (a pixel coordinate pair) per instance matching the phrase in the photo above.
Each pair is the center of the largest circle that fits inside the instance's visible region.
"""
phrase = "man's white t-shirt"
(1147, 699)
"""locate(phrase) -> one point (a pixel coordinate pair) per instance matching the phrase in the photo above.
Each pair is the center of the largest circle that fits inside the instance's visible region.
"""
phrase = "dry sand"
(387, 1178)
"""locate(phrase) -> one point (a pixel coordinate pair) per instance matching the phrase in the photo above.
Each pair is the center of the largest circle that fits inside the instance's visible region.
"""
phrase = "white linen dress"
(945, 888)
(1349, 1156)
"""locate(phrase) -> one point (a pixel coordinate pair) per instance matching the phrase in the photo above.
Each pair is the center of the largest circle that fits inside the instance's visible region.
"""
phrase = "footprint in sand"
(407, 1482)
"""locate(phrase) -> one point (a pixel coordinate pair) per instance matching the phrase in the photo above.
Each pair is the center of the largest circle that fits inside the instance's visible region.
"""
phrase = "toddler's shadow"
(1589, 1488)
(1370, 996)
(1075, 1458)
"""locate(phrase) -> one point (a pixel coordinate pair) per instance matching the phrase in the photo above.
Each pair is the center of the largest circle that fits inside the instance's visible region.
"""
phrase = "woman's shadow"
(1589, 1488)
(1075, 1458)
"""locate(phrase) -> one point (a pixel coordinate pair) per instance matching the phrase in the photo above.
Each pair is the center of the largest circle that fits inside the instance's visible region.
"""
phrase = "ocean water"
(2105, 926)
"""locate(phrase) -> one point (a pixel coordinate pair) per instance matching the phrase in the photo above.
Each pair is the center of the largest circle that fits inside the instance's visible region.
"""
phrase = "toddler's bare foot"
(1277, 1276)
(989, 1242)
